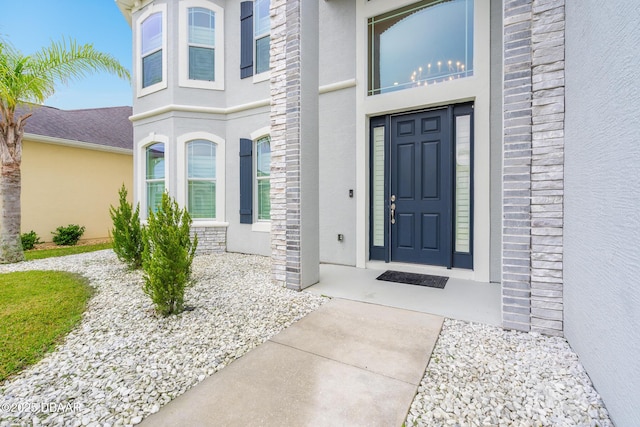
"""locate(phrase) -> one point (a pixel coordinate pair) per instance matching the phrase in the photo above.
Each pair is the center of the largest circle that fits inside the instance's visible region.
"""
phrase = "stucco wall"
(65, 185)
(602, 196)
(337, 154)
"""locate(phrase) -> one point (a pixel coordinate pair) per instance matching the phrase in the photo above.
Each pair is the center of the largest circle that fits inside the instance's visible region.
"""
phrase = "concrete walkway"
(346, 364)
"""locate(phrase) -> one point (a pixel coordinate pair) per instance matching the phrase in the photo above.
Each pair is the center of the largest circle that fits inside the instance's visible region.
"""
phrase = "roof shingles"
(103, 126)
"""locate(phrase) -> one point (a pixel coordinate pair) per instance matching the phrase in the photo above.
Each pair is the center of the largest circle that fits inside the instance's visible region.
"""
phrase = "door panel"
(406, 176)
(420, 169)
(430, 170)
(430, 231)
(406, 231)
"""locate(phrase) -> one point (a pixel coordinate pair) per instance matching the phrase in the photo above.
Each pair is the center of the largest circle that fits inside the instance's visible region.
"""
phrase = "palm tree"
(29, 81)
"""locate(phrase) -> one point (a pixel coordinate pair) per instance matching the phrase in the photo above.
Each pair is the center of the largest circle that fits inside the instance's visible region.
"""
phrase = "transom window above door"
(426, 43)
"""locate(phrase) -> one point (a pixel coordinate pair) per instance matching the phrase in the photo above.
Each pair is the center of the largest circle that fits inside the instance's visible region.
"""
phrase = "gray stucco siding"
(337, 177)
(338, 41)
(241, 237)
(602, 207)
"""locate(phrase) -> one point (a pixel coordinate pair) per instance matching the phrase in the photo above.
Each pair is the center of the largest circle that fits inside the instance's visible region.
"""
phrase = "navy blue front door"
(421, 188)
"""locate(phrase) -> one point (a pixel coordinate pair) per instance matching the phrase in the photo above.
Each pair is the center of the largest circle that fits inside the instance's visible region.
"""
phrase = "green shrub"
(127, 232)
(29, 240)
(167, 256)
(67, 236)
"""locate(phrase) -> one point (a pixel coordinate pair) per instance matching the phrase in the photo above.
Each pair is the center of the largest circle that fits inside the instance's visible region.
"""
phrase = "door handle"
(393, 213)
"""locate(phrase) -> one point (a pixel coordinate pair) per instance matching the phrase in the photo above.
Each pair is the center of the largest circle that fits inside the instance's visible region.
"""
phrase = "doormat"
(414, 279)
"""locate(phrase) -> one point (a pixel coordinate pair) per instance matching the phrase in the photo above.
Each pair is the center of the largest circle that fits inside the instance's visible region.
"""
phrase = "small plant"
(127, 232)
(167, 256)
(67, 236)
(29, 240)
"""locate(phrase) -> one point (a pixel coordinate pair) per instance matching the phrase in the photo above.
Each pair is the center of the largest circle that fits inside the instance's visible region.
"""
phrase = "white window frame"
(263, 226)
(162, 9)
(141, 169)
(183, 28)
(265, 75)
(182, 180)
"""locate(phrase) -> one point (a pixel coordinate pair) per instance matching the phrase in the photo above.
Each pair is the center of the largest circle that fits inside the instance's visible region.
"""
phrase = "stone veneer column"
(533, 165)
(294, 143)
(547, 166)
(516, 167)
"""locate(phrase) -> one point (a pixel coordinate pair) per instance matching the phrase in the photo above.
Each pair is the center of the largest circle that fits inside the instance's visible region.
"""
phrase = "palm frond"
(32, 79)
(67, 61)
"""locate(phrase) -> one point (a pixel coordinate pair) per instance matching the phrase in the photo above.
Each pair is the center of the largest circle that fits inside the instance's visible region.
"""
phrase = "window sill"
(152, 89)
(262, 77)
(208, 223)
(202, 84)
(261, 226)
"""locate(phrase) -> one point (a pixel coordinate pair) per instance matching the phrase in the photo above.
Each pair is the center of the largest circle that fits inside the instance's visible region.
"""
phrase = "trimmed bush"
(67, 236)
(167, 256)
(29, 240)
(127, 232)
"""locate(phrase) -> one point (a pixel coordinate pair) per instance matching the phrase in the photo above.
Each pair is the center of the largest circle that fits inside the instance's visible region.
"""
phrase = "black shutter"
(246, 39)
(246, 181)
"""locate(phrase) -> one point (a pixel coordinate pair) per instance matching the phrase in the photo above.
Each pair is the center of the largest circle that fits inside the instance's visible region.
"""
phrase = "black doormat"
(414, 279)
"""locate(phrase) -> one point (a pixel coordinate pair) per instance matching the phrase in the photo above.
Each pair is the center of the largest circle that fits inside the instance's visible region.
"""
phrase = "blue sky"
(30, 25)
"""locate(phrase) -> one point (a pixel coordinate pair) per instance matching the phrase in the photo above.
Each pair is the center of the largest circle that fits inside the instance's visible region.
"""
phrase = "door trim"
(383, 253)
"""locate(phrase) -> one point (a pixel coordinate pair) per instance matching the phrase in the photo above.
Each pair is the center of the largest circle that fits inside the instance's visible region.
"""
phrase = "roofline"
(75, 144)
(127, 7)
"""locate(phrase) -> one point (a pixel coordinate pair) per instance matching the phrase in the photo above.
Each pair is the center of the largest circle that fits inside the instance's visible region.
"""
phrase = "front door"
(421, 187)
(420, 191)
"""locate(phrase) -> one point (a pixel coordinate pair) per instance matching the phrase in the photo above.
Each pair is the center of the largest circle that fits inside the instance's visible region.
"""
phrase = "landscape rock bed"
(481, 375)
(123, 362)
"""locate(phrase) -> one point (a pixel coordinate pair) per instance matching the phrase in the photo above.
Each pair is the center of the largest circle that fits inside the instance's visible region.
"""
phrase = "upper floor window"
(202, 44)
(201, 179)
(261, 34)
(263, 178)
(151, 49)
(255, 39)
(154, 175)
(202, 48)
(421, 44)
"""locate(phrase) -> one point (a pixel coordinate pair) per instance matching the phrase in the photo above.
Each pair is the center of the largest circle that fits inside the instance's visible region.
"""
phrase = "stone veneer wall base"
(211, 240)
(533, 165)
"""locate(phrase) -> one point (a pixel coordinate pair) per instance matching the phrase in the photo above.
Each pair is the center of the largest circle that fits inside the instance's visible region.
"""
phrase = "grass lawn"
(37, 309)
(65, 250)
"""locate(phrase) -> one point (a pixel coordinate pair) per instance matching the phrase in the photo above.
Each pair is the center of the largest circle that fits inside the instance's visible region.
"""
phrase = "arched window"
(202, 44)
(201, 49)
(151, 49)
(154, 175)
(426, 43)
(201, 179)
(261, 34)
(263, 178)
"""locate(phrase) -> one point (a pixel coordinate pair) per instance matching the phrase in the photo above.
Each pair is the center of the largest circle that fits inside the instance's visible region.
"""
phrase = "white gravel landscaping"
(123, 361)
(481, 375)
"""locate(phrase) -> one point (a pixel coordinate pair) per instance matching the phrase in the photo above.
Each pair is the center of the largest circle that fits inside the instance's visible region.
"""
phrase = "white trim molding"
(183, 79)
(181, 174)
(153, 8)
(140, 167)
(333, 87)
(257, 225)
(75, 144)
(196, 109)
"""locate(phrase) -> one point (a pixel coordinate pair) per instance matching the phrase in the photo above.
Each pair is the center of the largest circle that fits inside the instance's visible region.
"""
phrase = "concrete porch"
(460, 299)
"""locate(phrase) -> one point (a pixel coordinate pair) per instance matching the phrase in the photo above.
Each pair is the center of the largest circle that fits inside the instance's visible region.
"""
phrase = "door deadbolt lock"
(393, 197)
